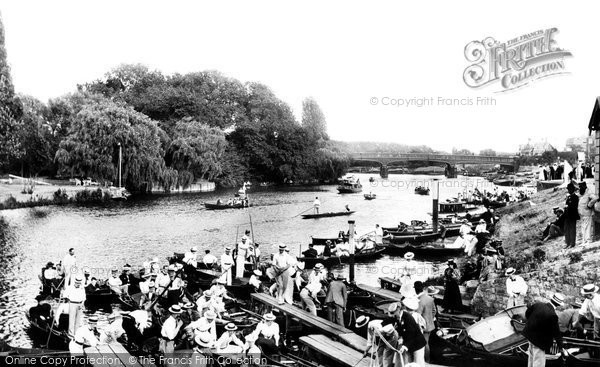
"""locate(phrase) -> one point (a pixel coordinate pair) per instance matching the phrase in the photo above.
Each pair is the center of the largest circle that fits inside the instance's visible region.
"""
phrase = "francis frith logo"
(514, 63)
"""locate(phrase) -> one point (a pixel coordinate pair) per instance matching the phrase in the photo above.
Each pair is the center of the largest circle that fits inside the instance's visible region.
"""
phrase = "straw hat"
(319, 266)
(282, 246)
(482, 221)
(210, 315)
(227, 248)
(154, 260)
(194, 249)
(244, 238)
(558, 299)
(510, 271)
(78, 279)
(231, 327)
(171, 268)
(269, 317)
(362, 321)
(412, 303)
(257, 272)
(431, 290)
(188, 306)
(589, 289)
(392, 307)
(204, 339)
(207, 293)
(175, 309)
(300, 265)
(93, 319)
(409, 255)
(387, 329)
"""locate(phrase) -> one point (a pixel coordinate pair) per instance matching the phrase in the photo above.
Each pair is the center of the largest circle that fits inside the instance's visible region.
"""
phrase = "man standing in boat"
(75, 293)
(316, 205)
(69, 267)
(242, 252)
(226, 265)
(336, 299)
(378, 235)
(541, 328)
(281, 268)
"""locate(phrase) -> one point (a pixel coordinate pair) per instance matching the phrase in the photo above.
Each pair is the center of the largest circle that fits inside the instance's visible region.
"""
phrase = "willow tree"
(197, 148)
(91, 147)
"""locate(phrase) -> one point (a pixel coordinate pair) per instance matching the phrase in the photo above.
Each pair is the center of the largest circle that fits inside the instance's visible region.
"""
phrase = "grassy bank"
(59, 197)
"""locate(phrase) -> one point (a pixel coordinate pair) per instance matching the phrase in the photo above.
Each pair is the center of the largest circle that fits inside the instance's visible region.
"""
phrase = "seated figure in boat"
(342, 249)
(267, 334)
(311, 252)
(229, 337)
(219, 202)
(230, 202)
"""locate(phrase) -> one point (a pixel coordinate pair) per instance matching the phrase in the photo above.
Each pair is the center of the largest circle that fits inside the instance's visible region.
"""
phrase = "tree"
(313, 120)
(11, 108)
(488, 152)
(197, 148)
(91, 146)
(462, 151)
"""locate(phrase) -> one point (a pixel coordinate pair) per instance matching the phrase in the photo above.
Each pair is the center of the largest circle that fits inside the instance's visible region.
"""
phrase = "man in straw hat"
(254, 280)
(516, 288)
(590, 309)
(281, 266)
(427, 310)
(336, 300)
(191, 257)
(227, 265)
(541, 328)
(410, 325)
(75, 294)
(309, 293)
(267, 334)
(481, 227)
(228, 337)
(170, 329)
(388, 341)
(242, 252)
(85, 336)
(205, 302)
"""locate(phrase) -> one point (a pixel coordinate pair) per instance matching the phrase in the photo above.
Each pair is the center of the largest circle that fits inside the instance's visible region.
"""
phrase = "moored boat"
(349, 185)
(370, 196)
(420, 190)
(329, 261)
(412, 238)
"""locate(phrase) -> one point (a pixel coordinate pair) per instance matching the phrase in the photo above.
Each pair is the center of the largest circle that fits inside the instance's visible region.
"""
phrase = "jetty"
(114, 355)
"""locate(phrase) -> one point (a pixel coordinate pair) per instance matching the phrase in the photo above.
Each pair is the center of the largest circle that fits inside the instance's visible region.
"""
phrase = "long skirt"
(452, 298)
(570, 232)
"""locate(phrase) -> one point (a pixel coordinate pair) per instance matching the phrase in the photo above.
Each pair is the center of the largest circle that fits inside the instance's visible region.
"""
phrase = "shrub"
(10, 203)
(539, 255)
(575, 257)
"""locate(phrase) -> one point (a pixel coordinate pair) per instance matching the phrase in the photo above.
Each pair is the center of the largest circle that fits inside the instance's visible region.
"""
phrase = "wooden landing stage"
(380, 292)
(324, 326)
(113, 355)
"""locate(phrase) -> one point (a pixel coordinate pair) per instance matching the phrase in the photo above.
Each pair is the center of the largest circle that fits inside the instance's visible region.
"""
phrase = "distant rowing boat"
(370, 196)
(328, 214)
(211, 206)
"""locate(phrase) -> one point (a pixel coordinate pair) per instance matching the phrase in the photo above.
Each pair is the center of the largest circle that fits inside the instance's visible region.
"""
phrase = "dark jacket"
(337, 293)
(311, 252)
(542, 326)
(571, 212)
(410, 332)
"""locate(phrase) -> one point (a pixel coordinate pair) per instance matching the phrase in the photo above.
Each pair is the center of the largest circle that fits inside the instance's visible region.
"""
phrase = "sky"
(355, 58)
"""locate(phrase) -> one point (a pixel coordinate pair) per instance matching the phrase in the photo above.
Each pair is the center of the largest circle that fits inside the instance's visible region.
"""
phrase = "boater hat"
(194, 249)
(231, 327)
(431, 290)
(362, 321)
(412, 303)
(257, 272)
(392, 307)
(93, 319)
(188, 305)
(207, 293)
(269, 317)
(558, 299)
(203, 339)
(210, 315)
(510, 271)
(175, 309)
(282, 246)
(387, 329)
(319, 266)
(482, 221)
(589, 289)
(409, 255)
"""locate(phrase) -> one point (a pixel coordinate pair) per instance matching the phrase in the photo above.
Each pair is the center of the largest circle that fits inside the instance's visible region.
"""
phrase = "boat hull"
(211, 206)
(329, 261)
(422, 250)
(326, 215)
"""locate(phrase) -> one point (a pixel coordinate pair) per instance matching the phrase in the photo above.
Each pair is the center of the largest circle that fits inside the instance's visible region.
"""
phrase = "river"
(137, 230)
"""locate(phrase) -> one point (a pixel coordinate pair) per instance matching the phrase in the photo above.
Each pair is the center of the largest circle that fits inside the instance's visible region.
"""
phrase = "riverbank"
(15, 196)
(546, 266)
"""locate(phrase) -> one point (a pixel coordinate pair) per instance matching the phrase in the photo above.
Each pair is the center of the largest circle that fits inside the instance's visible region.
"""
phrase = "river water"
(156, 226)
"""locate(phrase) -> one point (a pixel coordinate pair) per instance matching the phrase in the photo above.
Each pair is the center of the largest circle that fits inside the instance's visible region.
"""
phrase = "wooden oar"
(255, 260)
(303, 212)
(166, 289)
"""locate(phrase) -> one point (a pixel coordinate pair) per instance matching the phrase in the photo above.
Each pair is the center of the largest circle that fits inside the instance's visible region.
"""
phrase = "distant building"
(580, 144)
(535, 149)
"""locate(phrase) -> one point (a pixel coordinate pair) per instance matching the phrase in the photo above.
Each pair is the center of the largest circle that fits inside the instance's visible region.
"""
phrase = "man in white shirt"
(267, 334)
(115, 283)
(85, 336)
(240, 261)
(69, 267)
(170, 329)
(113, 331)
(191, 257)
(378, 235)
(481, 227)
(516, 288)
(316, 204)
(76, 296)
(255, 280)
(228, 337)
(309, 293)
(205, 324)
(227, 265)
(282, 271)
(162, 280)
(590, 309)
(205, 303)
(209, 259)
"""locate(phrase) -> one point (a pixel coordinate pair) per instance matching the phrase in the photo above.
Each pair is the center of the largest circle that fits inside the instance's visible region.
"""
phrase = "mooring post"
(435, 194)
(352, 245)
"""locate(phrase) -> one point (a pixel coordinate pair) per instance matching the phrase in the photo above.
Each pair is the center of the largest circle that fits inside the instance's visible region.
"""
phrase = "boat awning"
(594, 124)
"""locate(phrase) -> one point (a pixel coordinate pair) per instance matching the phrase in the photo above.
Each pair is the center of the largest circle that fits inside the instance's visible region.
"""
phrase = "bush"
(539, 255)
(10, 203)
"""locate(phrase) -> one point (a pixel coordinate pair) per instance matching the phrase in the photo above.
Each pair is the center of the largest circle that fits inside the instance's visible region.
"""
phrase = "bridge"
(450, 160)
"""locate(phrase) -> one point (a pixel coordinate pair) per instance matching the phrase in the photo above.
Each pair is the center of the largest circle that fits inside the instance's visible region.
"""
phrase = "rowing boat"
(370, 196)
(329, 261)
(424, 249)
(211, 206)
(328, 214)
(412, 238)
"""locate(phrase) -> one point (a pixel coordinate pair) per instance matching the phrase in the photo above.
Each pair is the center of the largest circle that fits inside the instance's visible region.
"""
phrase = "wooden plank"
(124, 355)
(336, 351)
(383, 293)
(305, 317)
(355, 341)
(103, 350)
